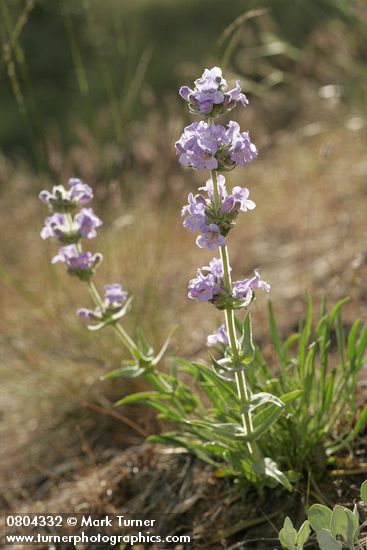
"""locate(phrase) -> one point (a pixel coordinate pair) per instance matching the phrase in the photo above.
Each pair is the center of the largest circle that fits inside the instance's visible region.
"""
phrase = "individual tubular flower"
(115, 296)
(203, 288)
(241, 150)
(87, 222)
(56, 226)
(214, 147)
(218, 337)
(81, 264)
(67, 200)
(215, 267)
(221, 188)
(210, 237)
(113, 302)
(194, 213)
(210, 97)
(243, 290)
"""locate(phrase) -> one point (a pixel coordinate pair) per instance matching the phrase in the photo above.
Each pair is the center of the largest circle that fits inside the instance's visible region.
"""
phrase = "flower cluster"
(113, 302)
(78, 262)
(69, 223)
(209, 286)
(67, 231)
(210, 97)
(213, 222)
(206, 146)
(67, 200)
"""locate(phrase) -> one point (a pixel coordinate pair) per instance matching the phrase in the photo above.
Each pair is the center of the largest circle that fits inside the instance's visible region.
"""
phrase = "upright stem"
(120, 332)
(240, 376)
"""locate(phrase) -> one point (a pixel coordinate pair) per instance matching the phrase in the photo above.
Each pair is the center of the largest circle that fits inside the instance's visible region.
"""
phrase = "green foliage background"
(71, 61)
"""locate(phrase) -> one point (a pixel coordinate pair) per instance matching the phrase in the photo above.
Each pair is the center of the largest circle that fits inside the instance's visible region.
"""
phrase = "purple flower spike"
(219, 337)
(115, 296)
(87, 222)
(204, 288)
(211, 237)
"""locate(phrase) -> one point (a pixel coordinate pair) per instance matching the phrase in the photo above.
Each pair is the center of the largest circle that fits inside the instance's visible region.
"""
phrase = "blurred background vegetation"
(89, 89)
(73, 64)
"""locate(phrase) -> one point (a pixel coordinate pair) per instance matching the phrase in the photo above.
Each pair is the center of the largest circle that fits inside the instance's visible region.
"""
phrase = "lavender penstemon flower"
(206, 145)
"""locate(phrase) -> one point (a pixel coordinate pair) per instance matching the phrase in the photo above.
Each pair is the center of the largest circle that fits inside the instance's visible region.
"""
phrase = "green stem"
(120, 332)
(240, 376)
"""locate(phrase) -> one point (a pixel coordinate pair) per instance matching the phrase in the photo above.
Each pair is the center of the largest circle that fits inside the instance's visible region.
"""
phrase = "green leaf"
(345, 524)
(326, 541)
(362, 344)
(113, 318)
(267, 467)
(352, 339)
(290, 396)
(247, 345)
(132, 371)
(303, 534)
(288, 535)
(364, 491)
(143, 396)
(163, 350)
(262, 398)
(275, 337)
(360, 424)
(144, 345)
(336, 309)
(265, 418)
(319, 517)
(218, 370)
(166, 440)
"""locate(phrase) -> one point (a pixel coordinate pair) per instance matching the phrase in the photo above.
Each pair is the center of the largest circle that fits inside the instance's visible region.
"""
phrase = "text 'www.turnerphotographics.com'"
(111, 529)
